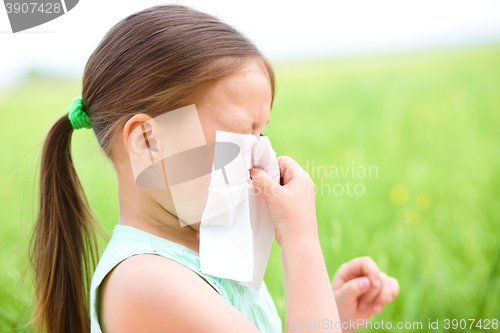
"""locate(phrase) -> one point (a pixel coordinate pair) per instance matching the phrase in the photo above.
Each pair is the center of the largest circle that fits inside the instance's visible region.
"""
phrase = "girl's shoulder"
(127, 242)
(138, 267)
(154, 292)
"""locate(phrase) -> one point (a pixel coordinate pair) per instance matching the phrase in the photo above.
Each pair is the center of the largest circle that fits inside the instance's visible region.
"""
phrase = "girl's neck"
(185, 236)
(140, 212)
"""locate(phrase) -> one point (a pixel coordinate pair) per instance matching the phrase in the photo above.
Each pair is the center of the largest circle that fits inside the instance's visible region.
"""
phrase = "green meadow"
(404, 150)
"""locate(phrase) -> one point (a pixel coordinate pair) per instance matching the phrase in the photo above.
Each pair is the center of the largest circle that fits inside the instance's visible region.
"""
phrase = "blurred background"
(408, 91)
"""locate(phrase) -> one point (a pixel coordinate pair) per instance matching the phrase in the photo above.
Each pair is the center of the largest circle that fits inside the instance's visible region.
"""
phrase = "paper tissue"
(236, 229)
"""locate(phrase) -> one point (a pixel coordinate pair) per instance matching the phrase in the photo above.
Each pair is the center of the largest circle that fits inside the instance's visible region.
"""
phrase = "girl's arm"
(310, 302)
(308, 293)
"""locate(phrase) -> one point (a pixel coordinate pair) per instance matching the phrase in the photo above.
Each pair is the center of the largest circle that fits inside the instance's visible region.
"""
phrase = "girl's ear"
(139, 139)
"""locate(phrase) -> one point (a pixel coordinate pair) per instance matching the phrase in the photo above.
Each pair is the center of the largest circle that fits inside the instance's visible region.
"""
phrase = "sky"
(282, 30)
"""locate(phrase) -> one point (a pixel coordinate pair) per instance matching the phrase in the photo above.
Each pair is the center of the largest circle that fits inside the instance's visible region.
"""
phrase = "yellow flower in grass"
(399, 194)
(424, 200)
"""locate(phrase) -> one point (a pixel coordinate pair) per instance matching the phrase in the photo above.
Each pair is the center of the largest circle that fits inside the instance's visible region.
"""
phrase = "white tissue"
(236, 229)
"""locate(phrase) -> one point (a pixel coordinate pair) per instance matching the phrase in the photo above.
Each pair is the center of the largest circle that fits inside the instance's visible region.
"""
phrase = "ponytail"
(64, 243)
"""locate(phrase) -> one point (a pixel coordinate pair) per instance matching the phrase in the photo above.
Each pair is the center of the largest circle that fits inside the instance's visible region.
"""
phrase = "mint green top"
(256, 305)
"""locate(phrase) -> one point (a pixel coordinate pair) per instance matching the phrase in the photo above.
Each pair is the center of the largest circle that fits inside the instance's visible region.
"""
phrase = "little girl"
(149, 279)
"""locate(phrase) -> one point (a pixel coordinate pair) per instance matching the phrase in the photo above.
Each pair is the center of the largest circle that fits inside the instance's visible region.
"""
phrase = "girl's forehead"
(248, 84)
(241, 100)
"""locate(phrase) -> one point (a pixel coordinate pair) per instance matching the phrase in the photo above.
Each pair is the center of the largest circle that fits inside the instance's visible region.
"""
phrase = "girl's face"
(239, 103)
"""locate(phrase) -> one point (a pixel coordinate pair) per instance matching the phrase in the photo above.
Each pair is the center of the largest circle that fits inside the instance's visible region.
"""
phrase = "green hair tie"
(77, 117)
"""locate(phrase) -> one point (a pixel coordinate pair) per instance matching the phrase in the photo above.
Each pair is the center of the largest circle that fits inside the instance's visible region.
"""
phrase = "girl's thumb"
(264, 184)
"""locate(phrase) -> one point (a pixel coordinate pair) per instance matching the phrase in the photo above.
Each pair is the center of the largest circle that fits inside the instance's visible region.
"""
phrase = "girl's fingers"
(383, 289)
(371, 295)
(264, 183)
(395, 287)
(357, 267)
(351, 290)
(289, 169)
(385, 295)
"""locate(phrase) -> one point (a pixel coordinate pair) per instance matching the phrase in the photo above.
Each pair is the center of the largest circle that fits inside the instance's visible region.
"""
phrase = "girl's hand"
(291, 206)
(308, 292)
(361, 290)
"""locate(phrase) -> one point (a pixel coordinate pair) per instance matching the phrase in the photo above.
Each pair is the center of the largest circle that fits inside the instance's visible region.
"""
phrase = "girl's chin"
(195, 226)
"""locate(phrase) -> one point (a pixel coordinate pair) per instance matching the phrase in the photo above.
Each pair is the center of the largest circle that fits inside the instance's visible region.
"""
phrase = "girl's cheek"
(186, 200)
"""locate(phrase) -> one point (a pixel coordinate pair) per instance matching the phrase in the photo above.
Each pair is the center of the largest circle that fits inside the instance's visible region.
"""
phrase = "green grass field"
(427, 126)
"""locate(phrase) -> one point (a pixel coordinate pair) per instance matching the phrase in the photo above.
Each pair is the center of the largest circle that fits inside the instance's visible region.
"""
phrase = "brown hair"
(156, 60)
